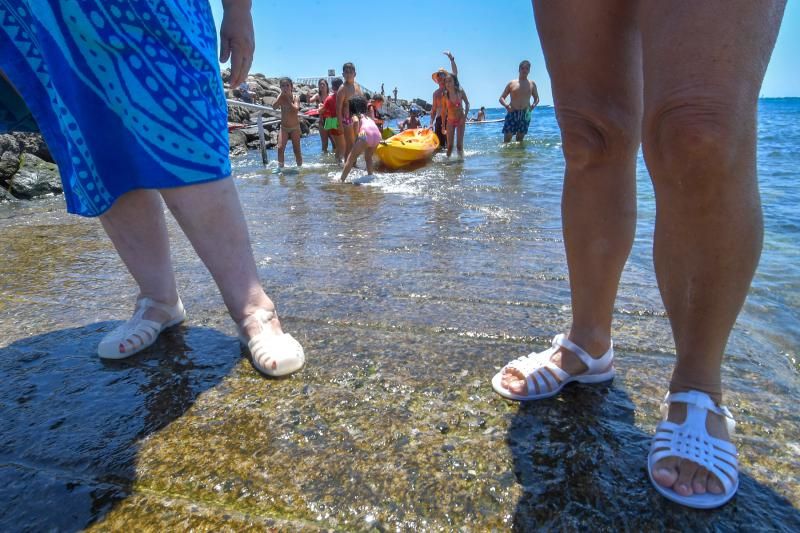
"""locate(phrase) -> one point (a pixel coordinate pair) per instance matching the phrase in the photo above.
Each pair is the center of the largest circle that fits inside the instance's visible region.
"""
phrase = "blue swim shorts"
(517, 122)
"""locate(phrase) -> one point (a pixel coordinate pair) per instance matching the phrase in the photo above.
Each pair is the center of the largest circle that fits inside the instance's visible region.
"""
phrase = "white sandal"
(549, 378)
(137, 333)
(274, 355)
(690, 440)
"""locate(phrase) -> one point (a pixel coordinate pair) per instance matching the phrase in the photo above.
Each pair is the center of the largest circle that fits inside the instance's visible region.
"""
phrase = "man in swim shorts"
(519, 110)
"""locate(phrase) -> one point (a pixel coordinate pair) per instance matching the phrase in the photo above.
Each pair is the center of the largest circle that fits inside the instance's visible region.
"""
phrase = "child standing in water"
(330, 123)
(322, 93)
(368, 135)
(343, 95)
(374, 110)
(455, 116)
(289, 104)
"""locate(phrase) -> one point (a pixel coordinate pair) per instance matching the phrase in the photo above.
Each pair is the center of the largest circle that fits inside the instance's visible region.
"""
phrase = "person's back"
(369, 131)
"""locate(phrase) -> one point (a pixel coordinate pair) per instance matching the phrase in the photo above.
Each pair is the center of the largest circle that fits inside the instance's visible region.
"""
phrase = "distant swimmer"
(412, 121)
(521, 90)
(481, 115)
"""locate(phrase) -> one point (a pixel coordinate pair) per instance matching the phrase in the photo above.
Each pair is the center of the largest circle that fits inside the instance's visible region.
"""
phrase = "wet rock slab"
(391, 426)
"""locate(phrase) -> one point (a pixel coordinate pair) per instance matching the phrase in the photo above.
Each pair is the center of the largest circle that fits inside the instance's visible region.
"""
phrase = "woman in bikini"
(289, 105)
(319, 99)
(455, 115)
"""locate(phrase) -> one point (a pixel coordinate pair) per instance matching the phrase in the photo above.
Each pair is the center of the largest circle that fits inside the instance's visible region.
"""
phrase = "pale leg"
(211, 217)
(137, 228)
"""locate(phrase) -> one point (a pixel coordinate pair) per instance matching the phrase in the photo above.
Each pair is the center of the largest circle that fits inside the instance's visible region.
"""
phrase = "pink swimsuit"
(369, 131)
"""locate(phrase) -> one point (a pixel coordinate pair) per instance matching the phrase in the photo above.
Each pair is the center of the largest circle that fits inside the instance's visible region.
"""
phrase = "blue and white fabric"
(127, 93)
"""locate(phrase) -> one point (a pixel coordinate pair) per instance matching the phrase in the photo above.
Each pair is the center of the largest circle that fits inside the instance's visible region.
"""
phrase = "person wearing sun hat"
(436, 101)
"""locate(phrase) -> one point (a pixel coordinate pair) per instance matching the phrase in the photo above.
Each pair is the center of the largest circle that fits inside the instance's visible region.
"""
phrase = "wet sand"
(392, 425)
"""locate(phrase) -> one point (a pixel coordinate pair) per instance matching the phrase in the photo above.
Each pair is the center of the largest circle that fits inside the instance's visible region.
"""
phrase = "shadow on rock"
(72, 423)
(581, 461)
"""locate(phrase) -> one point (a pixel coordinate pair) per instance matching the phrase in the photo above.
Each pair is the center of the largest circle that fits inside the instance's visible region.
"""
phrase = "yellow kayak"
(408, 147)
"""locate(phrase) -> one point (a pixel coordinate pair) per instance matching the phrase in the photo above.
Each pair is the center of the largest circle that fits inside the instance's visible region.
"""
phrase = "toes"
(665, 472)
(512, 381)
(686, 472)
(700, 481)
(714, 486)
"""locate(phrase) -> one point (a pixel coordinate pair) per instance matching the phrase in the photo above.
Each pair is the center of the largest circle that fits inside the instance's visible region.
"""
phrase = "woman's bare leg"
(450, 138)
(298, 155)
(323, 139)
(137, 228)
(283, 139)
(211, 217)
(700, 97)
(594, 62)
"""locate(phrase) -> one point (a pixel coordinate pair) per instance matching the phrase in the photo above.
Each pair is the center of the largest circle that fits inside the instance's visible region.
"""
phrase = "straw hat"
(435, 75)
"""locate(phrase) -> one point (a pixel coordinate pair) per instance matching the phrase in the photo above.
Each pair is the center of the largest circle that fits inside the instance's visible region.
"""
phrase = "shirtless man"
(436, 110)
(412, 121)
(348, 89)
(289, 104)
(518, 117)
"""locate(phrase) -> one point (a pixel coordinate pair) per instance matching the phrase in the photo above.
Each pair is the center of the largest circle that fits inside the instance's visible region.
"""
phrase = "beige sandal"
(273, 355)
(137, 333)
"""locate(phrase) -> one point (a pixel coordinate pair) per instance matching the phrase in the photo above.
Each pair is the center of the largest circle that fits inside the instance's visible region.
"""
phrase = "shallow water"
(408, 293)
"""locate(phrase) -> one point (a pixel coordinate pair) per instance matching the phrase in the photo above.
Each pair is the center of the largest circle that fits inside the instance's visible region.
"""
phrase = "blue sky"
(401, 43)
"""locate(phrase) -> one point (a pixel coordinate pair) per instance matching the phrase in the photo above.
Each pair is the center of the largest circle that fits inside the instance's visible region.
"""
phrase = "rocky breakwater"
(263, 91)
(27, 169)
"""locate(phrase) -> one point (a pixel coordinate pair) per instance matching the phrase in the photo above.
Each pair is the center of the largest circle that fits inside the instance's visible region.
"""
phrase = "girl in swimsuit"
(319, 99)
(289, 105)
(367, 138)
(455, 116)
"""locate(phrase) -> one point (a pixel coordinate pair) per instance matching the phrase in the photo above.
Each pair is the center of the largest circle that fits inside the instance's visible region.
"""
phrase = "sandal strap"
(547, 377)
(594, 365)
(261, 315)
(701, 400)
(143, 304)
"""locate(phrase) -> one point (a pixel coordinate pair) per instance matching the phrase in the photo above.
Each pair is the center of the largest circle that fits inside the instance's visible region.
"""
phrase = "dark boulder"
(35, 178)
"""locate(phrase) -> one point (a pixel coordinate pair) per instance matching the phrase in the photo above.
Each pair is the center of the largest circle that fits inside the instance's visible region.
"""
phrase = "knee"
(597, 138)
(698, 139)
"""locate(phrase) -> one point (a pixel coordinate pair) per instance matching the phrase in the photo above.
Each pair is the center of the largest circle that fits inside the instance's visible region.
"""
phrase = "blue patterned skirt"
(127, 93)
